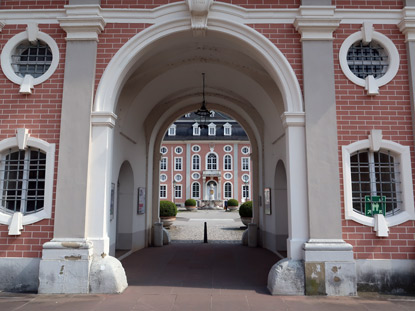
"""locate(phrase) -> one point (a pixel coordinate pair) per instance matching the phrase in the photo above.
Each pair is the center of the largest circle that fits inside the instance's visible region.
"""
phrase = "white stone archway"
(104, 118)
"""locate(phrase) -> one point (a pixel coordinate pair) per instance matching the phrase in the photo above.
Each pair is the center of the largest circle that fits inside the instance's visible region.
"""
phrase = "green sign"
(375, 205)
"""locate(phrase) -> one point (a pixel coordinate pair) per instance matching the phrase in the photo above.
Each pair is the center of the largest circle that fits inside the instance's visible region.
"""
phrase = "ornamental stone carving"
(199, 10)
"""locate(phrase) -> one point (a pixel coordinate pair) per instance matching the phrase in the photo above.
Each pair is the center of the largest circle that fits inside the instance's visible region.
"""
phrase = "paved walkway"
(198, 277)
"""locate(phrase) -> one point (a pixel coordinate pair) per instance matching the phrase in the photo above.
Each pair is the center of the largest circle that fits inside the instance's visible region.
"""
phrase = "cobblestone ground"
(222, 227)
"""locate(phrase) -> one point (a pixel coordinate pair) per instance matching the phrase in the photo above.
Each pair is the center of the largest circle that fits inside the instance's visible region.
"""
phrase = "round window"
(195, 175)
(245, 177)
(367, 59)
(178, 150)
(227, 176)
(245, 150)
(163, 150)
(196, 148)
(163, 177)
(227, 148)
(178, 177)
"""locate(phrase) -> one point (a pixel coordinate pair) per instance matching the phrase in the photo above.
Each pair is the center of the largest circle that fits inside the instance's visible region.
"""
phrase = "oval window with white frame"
(245, 178)
(178, 177)
(163, 177)
(30, 61)
(369, 59)
(195, 175)
(163, 150)
(227, 176)
(178, 150)
(195, 148)
(227, 148)
(245, 150)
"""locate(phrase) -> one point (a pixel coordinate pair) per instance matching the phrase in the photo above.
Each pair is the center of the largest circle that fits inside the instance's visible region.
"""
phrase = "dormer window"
(172, 130)
(187, 115)
(227, 129)
(212, 113)
(211, 129)
(196, 129)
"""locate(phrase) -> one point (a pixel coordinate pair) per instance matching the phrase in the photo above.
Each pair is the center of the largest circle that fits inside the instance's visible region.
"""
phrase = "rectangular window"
(172, 130)
(178, 164)
(228, 131)
(178, 192)
(212, 131)
(196, 131)
(163, 164)
(245, 164)
(163, 191)
(196, 190)
(228, 190)
(196, 163)
(227, 163)
(245, 192)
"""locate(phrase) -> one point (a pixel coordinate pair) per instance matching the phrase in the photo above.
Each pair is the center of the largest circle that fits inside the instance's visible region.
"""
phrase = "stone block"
(286, 277)
(341, 278)
(107, 276)
(315, 278)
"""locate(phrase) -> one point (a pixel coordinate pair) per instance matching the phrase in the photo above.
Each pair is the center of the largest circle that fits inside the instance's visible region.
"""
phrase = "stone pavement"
(198, 277)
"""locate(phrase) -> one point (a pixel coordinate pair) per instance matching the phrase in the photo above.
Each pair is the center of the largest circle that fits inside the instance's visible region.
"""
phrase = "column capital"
(103, 118)
(316, 22)
(407, 25)
(293, 119)
(82, 22)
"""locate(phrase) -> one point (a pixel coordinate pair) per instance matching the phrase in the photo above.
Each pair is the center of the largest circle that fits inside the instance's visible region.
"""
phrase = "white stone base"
(107, 276)
(19, 274)
(286, 277)
(329, 268)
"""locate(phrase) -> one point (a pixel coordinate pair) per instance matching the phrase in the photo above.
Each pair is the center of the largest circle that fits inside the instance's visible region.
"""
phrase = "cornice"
(290, 119)
(103, 119)
(407, 25)
(316, 22)
(82, 22)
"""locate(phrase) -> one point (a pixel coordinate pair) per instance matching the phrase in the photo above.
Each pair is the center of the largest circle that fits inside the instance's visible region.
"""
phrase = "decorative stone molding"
(103, 119)
(199, 10)
(316, 22)
(293, 119)
(407, 25)
(83, 22)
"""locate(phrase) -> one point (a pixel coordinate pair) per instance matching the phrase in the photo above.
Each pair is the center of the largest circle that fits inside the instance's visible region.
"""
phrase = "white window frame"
(178, 177)
(245, 147)
(227, 166)
(164, 148)
(247, 159)
(172, 130)
(229, 176)
(194, 168)
(216, 162)
(196, 175)
(164, 159)
(178, 189)
(245, 175)
(198, 191)
(227, 147)
(196, 148)
(212, 129)
(21, 141)
(196, 129)
(165, 191)
(178, 150)
(163, 177)
(245, 188)
(225, 191)
(178, 162)
(367, 34)
(227, 129)
(402, 156)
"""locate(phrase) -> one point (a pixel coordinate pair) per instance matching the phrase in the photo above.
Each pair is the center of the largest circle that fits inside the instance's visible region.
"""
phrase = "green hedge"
(233, 202)
(245, 210)
(167, 208)
(190, 202)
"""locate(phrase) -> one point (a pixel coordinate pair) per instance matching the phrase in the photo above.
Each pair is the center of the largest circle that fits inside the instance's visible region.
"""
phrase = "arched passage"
(154, 78)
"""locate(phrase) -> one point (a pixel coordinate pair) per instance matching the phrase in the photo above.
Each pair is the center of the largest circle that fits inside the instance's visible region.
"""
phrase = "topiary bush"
(233, 202)
(245, 210)
(167, 209)
(190, 202)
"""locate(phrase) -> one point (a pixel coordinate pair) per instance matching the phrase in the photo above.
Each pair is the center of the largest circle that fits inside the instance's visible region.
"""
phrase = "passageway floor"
(200, 277)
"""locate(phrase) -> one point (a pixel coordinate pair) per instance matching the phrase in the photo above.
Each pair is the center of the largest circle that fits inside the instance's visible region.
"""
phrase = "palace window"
(163, 177)
(163, 164)
(245, 164)
(227, 190)
(195, 190)
(178, 192)
(196, 129)
(163, 150)
(172, 130)
(212, 129)
(212, 162)
(163, 191)
(227, 162)
(178, 163)
(195, 162)
(227, 129)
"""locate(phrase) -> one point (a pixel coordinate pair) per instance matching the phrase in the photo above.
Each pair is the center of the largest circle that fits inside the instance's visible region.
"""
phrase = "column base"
(69, 267)
(329, 268)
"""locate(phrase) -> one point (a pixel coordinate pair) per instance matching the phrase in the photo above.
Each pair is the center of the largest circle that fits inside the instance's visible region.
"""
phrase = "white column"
(99, 181)
(298, 232)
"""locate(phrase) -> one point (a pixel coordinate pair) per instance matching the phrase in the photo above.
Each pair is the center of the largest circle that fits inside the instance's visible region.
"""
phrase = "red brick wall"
(135, 4)
(32, 4)
(357, 114)
(41, 114)
(368, 4)
(287, 40)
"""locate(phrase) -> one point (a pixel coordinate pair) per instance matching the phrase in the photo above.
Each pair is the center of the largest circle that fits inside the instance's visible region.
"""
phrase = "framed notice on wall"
(112, 201)
(267, 201)
(141, 201)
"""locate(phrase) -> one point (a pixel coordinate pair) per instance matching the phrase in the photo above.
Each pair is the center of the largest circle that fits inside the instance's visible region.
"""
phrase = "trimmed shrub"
(233, 202)
(190, 202)
(167, 209)
(245, 210)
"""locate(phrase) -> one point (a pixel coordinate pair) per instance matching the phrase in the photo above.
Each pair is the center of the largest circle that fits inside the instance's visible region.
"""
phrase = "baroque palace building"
(324, 90)
(209, 163)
